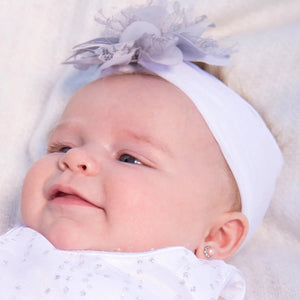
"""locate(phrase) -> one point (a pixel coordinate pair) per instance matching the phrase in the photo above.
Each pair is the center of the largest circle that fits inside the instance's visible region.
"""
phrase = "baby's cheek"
(33, 194)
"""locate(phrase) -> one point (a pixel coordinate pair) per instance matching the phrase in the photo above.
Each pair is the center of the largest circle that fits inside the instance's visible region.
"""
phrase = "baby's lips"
(58, 190)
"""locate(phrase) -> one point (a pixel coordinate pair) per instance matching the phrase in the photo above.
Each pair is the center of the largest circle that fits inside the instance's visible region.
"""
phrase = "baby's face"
(131, 166)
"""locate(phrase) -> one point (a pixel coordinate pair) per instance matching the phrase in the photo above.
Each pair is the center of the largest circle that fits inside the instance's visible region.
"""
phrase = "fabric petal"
(118, 60)
(170, 56)
(137, 29)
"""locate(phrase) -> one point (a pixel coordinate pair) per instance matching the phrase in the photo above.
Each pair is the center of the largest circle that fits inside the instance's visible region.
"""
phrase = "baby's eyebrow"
(150, 140)
(54, 129)
(59, 127)
(155, 143)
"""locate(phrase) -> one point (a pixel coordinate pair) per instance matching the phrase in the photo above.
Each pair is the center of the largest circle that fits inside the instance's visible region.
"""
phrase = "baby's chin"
(65, 238)
(72, 242)
(65, 235)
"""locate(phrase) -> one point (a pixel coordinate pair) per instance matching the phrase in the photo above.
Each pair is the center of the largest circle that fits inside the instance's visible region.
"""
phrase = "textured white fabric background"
(37, 35)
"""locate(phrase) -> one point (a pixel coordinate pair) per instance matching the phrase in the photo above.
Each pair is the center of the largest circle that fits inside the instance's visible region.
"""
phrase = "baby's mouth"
(60, 194)
(66, 196)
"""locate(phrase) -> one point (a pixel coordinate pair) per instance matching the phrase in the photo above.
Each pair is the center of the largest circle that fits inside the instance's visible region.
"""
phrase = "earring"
(209, 251)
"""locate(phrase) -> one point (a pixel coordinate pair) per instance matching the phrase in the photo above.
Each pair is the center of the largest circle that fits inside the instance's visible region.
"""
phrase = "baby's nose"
(79, 160)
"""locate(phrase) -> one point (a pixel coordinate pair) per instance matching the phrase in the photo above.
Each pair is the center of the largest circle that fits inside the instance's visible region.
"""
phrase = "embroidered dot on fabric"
(73, 269)
(97, 269)
(125, 292)
(140, 284)
(182, 282)
(187, 267)
(81, 263)
(193, 289)
(152, 260)
(219, 279)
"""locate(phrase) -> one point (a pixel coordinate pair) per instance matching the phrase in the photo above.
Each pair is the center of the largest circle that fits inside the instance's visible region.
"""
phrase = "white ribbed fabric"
(247, 144)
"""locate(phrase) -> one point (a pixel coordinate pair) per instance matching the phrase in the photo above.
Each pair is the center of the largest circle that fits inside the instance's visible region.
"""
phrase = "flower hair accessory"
(150, 34)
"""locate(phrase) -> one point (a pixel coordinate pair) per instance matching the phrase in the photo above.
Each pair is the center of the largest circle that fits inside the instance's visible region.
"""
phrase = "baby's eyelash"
(56, 147)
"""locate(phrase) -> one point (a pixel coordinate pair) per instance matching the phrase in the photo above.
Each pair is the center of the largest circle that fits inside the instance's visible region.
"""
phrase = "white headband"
(146, 37)
(247, 144)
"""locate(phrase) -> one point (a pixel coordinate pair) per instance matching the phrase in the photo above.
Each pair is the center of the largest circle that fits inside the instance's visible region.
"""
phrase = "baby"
(132, 165)
(154, 174)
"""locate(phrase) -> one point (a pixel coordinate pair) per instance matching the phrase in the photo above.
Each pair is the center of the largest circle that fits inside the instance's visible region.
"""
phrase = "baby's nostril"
(83, 167)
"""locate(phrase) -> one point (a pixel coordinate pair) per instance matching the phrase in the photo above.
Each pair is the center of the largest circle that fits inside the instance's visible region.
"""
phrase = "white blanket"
(37, 35)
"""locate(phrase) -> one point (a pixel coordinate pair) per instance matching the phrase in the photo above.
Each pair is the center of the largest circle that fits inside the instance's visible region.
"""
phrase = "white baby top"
(31, 268)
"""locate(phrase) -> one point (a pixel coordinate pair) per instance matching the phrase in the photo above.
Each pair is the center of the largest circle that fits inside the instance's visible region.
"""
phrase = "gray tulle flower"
(152, 34)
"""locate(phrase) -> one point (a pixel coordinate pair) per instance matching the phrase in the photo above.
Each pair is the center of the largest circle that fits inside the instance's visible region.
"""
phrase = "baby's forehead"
(142, 101)
(141, 90)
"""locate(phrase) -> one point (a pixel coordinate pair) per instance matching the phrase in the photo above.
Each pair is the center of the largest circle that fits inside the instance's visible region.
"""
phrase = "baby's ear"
(225, 236)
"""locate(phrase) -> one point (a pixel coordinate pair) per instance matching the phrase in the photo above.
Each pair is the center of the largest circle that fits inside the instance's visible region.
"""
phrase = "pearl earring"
(208, 251)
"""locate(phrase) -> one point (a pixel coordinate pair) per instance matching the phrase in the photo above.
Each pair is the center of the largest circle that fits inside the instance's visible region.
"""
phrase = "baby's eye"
(58, 148)
(129, 159)
(64, 149)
